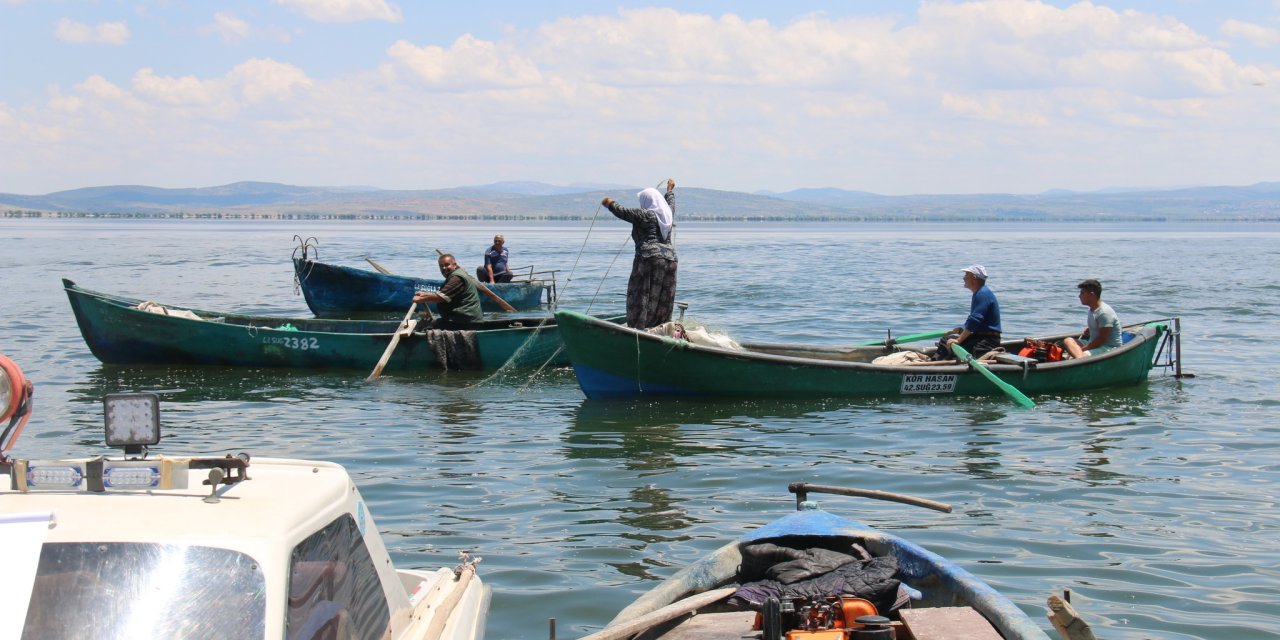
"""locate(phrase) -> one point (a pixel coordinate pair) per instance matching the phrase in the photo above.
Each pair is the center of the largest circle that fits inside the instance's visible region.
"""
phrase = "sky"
(891, 97)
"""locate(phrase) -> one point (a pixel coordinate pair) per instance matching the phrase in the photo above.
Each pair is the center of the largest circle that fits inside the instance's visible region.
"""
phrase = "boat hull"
(619, 362)
(333, 291)
(119, 333)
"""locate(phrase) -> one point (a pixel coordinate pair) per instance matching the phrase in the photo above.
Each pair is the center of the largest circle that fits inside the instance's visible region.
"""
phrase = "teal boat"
(815, 575)
(614, 361)
(119, 331)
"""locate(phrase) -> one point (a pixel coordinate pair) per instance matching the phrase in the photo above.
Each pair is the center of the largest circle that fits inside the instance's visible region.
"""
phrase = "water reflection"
(651, 435)
(208, 384)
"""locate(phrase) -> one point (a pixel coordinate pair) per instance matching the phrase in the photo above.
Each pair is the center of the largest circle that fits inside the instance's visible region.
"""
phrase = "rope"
(606, 274)
(306, 246)
(584, 243)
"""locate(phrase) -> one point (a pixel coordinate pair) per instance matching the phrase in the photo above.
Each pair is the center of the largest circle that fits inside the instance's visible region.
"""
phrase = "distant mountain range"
(535, 200)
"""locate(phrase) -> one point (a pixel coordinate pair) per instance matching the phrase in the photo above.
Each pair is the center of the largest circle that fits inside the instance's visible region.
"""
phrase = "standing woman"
(651, 291)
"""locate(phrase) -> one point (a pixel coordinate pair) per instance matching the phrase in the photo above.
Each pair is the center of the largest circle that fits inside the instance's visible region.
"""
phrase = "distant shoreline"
(425, 217)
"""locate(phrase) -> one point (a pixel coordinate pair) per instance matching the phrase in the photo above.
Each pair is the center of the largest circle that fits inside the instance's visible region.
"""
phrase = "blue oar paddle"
(912, 337)
(1009, 390)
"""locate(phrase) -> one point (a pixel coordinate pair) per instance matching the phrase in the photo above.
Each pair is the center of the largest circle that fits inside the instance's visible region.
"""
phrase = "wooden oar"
(377, 266)
(405, 327)
(665, 614)
(1009, 390)
(506, 306)
(803, 489)
(911, 337)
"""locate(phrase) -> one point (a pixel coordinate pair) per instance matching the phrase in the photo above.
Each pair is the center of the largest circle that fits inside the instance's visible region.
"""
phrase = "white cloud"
(228, 27)
(345, 10)
(99, 87)
(187, 90)
(253, 81)
(469, 63)
(68, 30)
(265, 79)
(993, 109)
(1255, 34)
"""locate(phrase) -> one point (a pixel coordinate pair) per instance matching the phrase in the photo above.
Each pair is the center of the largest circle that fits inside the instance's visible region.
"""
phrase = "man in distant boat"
(1102, 329)
(495, 263)
(981, 330)
(457, 299)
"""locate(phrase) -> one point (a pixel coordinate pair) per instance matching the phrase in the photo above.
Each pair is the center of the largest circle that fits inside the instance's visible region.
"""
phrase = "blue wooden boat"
(119, 331)
(334, 291)
(717, 597)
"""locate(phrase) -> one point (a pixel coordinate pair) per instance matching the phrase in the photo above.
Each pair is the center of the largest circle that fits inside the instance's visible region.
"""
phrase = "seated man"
(457, 299)
(981, 330)
(1103, 329)
(495, 263)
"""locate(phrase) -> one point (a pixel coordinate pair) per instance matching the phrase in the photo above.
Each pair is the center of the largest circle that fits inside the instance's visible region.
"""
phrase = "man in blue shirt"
(495, 263)
(981, 330)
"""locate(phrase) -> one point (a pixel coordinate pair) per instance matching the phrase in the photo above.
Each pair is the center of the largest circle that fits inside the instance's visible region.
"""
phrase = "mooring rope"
(306, 247)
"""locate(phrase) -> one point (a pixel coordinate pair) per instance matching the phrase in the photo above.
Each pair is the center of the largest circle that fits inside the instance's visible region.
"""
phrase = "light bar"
(96, 475)
(55, 476)
(130, 477)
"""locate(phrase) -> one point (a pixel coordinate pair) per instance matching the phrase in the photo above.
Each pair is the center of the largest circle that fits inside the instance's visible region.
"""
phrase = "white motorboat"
(173, 547)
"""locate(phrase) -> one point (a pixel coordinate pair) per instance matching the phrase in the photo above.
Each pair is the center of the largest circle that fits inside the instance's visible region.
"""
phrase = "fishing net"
(454, 349)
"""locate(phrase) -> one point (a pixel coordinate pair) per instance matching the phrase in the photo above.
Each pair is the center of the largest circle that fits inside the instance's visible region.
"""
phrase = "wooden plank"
(951, 623)
(1068, 623)
(665, 614)
(732, 625)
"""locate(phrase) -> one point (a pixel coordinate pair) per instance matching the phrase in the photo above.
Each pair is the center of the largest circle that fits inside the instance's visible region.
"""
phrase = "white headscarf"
(652, 200)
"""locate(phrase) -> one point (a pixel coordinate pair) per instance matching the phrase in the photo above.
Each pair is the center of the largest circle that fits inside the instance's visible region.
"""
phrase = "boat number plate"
(928, 383)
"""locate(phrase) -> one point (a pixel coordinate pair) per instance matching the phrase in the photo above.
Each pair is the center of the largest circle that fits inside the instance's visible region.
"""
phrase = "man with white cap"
(981, 330)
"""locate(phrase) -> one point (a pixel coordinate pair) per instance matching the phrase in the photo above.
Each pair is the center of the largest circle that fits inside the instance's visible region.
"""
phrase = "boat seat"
(949, 623)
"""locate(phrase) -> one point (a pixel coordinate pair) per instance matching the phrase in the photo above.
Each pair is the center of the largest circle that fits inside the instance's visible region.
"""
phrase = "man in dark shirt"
(457, 299)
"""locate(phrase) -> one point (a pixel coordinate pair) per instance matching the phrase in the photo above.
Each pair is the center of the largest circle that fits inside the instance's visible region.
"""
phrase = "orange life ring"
(17, 391)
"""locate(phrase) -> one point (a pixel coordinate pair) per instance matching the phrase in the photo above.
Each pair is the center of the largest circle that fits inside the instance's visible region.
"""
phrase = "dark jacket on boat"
(817, 578)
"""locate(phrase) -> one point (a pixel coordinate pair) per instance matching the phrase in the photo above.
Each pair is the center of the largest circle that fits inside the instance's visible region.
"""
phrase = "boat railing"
(1169, 351)
(527, 274)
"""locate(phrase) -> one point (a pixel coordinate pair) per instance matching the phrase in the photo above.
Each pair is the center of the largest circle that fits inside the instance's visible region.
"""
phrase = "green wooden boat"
(614, 361)
(119, 332)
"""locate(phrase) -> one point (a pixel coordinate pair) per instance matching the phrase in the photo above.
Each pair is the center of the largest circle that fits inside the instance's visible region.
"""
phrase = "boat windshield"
(135, 590)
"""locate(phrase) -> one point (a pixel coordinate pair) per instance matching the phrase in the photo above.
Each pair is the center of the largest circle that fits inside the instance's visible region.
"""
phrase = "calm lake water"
(1156, 505)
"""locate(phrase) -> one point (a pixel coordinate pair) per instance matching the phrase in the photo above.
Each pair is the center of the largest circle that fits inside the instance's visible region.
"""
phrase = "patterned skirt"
(651, 292)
